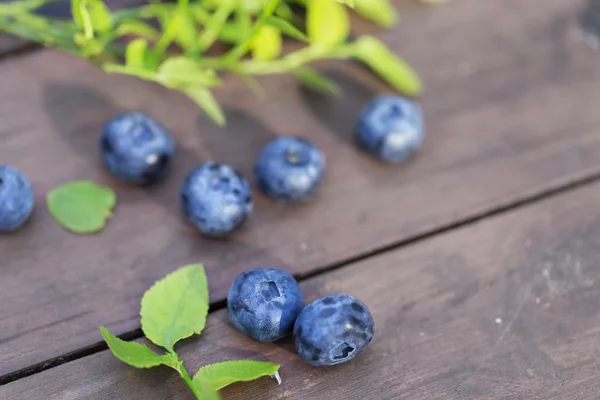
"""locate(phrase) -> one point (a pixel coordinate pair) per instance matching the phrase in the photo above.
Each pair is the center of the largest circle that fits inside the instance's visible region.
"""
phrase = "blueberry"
(333, 329)
(390, 128)
(16, 199)
(289, 169)
(216, 199)
(264, 303)
(135, 148)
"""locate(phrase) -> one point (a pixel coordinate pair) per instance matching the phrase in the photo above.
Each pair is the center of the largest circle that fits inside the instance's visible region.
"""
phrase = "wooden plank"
(504, 308)
(506, 121)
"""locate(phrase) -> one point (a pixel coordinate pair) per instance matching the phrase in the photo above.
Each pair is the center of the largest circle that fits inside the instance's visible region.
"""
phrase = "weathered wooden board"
(511, 110)
(506, 308)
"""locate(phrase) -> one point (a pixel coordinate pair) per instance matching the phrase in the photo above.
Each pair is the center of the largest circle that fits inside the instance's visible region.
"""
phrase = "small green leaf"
(177, 71)
(316, 81)
(141, 73)
(81, 206)
(382, 12)
(136, 354)
(387, 65)
(170, 27)
(205, 100)
(91, 14)
(175, 307)
(135, 55)
(327, 22)
(225, 373)
(286, 28)
(137, 28)
(266, 45)
(186, 34)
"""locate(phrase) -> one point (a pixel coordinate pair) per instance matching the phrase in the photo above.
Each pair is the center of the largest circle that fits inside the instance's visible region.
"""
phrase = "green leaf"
(92, 15)
(81, 206)
(382, 12)
(387, 65)
(206, 391)
(177, 71)
(225, 373)
(138, 72)
(327, 22)
(286, 28)
(212, 27)
(135, 55)
(317, 81)
(266, 45)
(137, 28)
(186, 33)
(175, 307)
(136, 354)
(349, 3)
(171, 30)
(205, 100)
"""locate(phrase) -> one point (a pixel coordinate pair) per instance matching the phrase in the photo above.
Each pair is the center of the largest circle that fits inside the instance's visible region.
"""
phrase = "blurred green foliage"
(168, 42)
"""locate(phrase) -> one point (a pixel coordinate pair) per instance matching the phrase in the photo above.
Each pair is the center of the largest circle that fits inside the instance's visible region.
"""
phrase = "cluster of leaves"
(169, 43)
(176, 308)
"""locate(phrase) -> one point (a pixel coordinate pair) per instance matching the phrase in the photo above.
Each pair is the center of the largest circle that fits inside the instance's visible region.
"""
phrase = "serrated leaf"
(285, 27)
(225, 373)
(206, 101)
(266, 45)
(206, 391)
(391, 68)
(137, 28)
(176, 71)
(317, 81)
(382, 12)
(135, 55)
(175, 307)
(81, 206)
(136, 354)
(327, 22)
(91, 14)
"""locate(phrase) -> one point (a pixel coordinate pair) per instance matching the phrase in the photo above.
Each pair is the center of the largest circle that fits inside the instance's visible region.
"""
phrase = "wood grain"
(511, 110)
(502, 309)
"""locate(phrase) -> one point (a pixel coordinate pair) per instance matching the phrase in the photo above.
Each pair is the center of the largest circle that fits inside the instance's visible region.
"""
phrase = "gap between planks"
(511, 206)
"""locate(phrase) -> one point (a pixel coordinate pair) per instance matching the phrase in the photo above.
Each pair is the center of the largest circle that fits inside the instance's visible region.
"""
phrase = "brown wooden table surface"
(478, 258)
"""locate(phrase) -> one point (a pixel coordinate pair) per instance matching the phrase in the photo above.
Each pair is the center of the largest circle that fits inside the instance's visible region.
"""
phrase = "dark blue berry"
(333, 329)
(16, 199)
(289, 169)
(135, 148)
(264, 303)
(390, 128)
(216, 199)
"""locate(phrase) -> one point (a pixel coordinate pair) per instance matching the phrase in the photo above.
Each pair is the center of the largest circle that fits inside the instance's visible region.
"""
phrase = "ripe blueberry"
(333, 329)
(390, 128)
(135, 148)
(289, 169)
(264, 303)
(216, 199)
(16, 198)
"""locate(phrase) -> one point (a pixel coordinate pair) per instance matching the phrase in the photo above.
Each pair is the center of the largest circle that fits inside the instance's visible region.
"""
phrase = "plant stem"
(241, 49)
(214, 25)
(186, 378)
